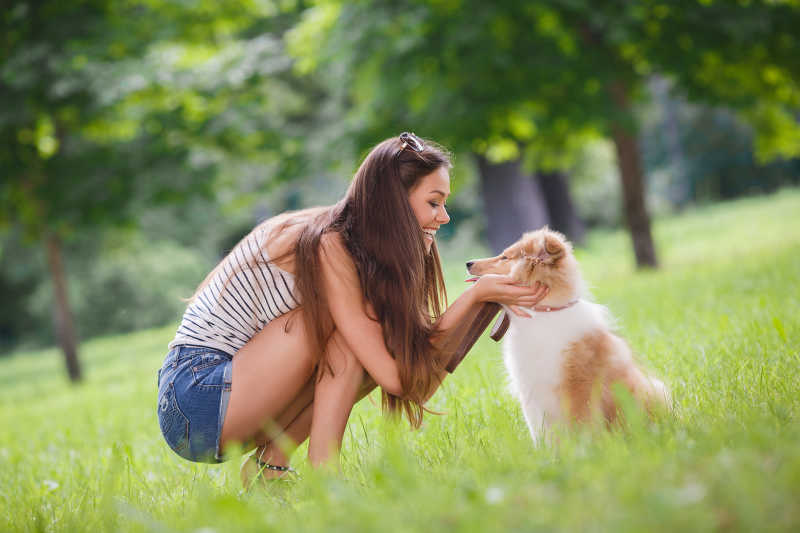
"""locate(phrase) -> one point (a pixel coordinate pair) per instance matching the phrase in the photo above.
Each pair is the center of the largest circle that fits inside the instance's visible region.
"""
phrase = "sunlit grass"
(720, 322)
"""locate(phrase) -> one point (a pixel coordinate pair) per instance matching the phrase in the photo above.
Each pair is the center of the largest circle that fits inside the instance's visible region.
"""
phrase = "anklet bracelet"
(268, 466)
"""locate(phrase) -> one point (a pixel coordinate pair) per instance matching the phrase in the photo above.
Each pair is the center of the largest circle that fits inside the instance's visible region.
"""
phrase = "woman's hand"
(504, 290)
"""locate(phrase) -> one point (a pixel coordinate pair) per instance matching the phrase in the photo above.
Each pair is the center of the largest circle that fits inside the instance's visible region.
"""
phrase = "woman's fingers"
(507, 291)
(541, 292)
(529, 299)
(536, 292)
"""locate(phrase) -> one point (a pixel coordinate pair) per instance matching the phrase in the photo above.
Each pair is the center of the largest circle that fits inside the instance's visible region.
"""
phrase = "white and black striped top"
(226, 316)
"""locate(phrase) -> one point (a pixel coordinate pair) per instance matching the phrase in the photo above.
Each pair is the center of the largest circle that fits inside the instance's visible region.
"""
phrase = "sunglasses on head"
(411, 141)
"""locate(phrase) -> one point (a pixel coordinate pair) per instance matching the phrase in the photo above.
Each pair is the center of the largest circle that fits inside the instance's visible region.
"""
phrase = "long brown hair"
(400, 280)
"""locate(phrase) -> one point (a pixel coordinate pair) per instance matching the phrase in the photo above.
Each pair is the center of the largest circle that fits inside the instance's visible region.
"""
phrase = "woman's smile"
(429, 233)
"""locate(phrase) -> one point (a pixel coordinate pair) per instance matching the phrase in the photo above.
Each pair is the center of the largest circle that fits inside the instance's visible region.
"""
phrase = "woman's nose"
(444, 218)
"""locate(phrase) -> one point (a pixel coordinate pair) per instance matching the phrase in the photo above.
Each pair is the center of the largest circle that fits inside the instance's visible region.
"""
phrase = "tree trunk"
(513, 202)
(61, 311)
(632, 176)
(563, 216)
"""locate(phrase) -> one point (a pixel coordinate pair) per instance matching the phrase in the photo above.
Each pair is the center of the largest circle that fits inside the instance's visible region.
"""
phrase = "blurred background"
(141, 139)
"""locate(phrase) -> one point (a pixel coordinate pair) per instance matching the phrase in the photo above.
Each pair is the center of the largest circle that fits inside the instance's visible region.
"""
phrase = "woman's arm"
(456, 320)
(363, 335)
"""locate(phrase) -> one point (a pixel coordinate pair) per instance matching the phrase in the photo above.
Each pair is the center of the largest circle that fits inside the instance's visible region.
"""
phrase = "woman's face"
(427, 199)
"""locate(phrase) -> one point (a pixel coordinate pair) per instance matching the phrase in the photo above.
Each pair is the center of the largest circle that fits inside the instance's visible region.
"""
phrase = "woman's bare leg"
(273, 385)
(282, 422)
(269, 373)
(334, 396)
(277, 450)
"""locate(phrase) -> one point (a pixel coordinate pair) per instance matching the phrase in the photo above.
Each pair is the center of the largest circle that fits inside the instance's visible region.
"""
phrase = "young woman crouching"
(312, 309)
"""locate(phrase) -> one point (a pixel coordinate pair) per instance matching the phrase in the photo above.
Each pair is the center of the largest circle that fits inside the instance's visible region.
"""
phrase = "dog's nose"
(470, 263)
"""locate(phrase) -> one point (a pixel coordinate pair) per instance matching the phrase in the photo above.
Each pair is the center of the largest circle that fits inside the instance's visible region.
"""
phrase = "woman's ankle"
(272, 455)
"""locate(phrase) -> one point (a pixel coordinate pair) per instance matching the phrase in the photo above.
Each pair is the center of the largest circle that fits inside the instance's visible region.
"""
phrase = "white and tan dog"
(564, 361)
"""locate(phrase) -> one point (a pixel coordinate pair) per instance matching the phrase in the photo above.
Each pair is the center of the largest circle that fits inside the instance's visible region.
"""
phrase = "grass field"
(719, 322)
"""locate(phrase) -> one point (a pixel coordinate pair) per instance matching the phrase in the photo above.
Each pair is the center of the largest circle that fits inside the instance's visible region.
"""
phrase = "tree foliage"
(107, 106)
(99, 114)
(495, 77)
(741, 55)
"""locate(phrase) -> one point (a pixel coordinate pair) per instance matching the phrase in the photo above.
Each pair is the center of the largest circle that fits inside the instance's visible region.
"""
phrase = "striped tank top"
(238, 301)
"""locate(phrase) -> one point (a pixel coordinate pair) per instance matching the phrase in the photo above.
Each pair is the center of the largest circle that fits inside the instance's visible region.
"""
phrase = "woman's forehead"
(437, 182)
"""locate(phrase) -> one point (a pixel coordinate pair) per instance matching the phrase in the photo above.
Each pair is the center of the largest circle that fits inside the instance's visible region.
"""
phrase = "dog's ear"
(552, 245)
(553, 248)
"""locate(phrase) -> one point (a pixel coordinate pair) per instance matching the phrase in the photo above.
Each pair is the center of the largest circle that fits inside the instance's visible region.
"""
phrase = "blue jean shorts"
(194, 386)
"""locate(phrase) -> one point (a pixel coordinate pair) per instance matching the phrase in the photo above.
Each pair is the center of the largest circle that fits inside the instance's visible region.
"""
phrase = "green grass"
(720, 322)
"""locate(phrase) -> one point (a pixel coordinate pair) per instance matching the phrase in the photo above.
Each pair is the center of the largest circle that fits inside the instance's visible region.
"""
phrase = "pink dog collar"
(548, 309)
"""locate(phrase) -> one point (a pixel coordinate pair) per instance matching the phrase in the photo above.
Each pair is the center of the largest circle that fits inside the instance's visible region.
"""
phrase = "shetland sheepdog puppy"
(564, 362)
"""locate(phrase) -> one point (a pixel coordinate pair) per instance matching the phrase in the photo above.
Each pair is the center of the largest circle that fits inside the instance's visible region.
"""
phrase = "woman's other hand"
(504, 290)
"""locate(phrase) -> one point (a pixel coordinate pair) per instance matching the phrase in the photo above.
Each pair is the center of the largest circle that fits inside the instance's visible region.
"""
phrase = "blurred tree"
(513, 202)
(742, 55)
(98, 115)
(18, 278)
(513, 82)
(521, 81)
(716, 156)
(57, 178)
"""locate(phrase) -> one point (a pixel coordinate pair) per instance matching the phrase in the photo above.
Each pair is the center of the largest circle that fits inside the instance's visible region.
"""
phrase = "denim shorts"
(194, 386)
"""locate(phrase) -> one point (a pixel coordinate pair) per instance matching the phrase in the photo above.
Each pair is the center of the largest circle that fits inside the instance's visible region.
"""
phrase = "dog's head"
(542, 255)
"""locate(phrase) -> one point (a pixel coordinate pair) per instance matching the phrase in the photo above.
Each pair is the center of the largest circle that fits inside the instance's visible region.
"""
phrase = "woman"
(251, 365)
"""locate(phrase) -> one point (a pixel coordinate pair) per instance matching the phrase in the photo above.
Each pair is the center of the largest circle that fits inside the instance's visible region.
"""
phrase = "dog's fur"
(564, 364)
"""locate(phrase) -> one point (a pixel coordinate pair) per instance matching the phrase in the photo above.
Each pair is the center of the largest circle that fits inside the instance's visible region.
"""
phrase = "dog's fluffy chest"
(533, 350)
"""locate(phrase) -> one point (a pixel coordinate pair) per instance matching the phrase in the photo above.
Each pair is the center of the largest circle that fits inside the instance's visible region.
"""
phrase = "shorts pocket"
(207, 370)
(174, 424)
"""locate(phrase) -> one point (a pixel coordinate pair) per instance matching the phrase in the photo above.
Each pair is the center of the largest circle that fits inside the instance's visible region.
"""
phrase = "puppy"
(564, 362)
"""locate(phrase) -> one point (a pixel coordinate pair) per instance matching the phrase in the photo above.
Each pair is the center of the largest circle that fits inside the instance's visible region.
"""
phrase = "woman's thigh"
(269, 373)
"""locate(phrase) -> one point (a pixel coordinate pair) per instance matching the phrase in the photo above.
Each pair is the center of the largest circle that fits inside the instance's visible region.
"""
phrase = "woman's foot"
(254, 471)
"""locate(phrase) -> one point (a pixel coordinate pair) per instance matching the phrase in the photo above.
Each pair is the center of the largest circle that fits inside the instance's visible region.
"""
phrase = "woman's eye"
(433, 204)
(504, 258)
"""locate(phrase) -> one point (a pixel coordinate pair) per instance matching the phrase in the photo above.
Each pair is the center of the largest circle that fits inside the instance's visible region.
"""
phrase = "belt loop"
(173, 356)
(227, 378)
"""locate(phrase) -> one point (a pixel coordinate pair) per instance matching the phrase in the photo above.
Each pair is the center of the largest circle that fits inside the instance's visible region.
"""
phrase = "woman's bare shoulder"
(280, 233)
(336, 258)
